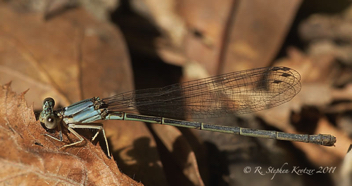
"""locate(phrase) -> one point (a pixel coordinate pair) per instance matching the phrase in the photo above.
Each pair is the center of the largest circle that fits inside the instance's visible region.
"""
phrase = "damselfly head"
(47, 116)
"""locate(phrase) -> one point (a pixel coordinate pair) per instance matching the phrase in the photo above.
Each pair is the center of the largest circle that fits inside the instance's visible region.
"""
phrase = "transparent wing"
(232, 93)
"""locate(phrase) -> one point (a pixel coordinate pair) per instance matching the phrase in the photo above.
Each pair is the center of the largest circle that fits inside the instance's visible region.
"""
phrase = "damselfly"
(233, 93)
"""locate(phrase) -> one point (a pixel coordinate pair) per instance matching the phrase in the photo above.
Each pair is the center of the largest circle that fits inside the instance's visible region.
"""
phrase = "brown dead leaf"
(235, 35)
(61, 57)
(181, 154)
(257, 33)
(29, 158)
(223, 37)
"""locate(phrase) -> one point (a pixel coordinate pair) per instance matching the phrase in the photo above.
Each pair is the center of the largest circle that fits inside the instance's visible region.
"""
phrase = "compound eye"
(49, 100)
(50, 122)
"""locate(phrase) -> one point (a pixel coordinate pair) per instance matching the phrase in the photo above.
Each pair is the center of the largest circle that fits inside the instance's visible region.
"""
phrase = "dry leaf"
(223, 37)
(235, 35)
(182, 155)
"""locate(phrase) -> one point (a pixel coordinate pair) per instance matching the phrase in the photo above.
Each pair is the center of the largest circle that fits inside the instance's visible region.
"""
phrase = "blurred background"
(75, 49)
